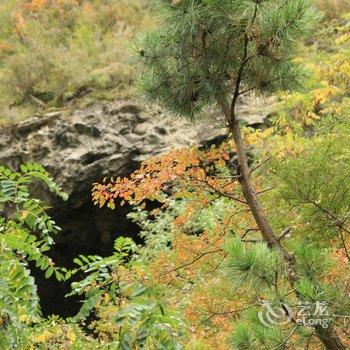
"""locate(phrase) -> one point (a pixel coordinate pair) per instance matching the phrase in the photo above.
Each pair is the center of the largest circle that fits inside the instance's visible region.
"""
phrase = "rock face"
(94, 142)
(82, 147)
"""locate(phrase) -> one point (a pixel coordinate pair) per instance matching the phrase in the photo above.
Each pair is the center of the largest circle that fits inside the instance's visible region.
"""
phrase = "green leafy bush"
(25, 235)
(129, 310)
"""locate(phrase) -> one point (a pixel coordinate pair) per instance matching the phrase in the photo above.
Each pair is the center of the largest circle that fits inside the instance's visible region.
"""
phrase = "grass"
(59, 53)
(56, 52)
(333, 8)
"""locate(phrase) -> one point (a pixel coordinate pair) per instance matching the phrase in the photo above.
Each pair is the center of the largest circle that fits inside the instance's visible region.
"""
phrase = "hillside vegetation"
(53, 53)
(205, 277)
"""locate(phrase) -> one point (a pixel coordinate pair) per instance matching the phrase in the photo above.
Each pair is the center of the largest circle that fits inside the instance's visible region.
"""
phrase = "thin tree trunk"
(328, 336)
(250, 194)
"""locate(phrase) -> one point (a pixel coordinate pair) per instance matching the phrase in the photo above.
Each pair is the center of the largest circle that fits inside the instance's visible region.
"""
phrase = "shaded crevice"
(87, 230)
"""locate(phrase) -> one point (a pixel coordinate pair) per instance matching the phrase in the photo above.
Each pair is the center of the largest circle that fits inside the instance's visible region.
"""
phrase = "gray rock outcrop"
(102, 140)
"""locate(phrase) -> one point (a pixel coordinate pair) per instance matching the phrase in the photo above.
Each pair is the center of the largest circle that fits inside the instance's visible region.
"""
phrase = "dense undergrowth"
(193, 285)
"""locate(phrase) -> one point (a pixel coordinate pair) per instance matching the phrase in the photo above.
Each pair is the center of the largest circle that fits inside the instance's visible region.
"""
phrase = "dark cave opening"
(87, 230)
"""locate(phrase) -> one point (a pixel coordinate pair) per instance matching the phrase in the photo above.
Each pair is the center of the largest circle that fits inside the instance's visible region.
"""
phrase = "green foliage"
(147, 324)
(116, 286)
(256, 265)
(194, 59)
(326, 92)
(137, 317)
(18, 300)
(25, 235)
(321, 190)
(314, 194)
(99, 278)
(156, 230)
(158, 227)
(311, 261)
(251, 334)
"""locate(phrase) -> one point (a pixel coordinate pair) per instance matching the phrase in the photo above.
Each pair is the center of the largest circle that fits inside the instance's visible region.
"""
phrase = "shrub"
(25, 235)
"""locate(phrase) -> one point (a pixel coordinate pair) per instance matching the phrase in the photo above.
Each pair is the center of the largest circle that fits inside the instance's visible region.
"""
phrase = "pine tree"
(208, 53)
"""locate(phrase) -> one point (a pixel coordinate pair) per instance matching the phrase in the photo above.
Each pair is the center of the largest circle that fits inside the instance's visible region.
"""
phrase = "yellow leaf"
(24, 214)
(25, 318)
(71, 336)
(43, 337)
